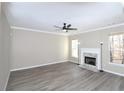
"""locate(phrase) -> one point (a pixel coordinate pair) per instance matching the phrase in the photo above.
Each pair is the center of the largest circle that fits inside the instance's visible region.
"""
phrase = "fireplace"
(90, 58)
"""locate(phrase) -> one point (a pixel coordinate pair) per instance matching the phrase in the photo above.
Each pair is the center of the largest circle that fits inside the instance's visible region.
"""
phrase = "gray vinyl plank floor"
(63, 77)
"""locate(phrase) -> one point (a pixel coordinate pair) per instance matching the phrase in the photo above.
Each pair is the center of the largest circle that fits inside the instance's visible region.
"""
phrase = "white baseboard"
(113, 72)
(73, 61)
(7, 81)
(39, 65)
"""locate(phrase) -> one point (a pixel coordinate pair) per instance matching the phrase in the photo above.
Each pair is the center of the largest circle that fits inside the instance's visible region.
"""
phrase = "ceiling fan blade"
(68, 25)
(57, 27)
(72, 29)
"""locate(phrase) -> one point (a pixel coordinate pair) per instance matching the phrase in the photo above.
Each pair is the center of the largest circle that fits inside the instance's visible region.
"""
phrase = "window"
(117, 48)
(75, 48)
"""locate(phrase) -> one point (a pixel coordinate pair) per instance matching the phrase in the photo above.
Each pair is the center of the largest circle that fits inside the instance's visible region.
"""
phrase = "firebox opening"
(90, 60)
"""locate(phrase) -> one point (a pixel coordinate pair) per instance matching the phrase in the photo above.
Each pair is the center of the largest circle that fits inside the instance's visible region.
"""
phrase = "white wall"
(36, 48)
(92, 39)
(4, 50)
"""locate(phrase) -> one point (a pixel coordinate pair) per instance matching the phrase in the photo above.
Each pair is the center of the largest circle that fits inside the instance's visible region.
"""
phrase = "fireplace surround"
(90, 58)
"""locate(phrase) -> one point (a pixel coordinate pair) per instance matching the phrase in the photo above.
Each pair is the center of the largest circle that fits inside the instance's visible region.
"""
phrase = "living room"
(62, 46)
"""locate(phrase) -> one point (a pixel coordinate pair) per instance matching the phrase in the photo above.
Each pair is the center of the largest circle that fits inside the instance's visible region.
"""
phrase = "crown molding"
(36, 30)
(68, 34)
(100, 28)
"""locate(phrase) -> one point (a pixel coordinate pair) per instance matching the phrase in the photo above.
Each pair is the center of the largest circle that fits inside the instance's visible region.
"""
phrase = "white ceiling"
(84, 16)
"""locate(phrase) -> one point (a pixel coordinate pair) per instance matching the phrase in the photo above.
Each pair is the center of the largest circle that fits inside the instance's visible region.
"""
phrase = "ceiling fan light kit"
(64, 30)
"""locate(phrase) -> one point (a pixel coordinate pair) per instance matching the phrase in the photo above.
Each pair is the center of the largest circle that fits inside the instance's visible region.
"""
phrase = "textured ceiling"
(84, 16)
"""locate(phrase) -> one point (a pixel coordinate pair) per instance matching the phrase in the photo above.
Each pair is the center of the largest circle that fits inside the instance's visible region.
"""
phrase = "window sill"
(121, 65)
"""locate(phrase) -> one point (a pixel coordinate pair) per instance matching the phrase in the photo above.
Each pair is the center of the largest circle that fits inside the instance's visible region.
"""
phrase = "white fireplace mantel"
(96, 51)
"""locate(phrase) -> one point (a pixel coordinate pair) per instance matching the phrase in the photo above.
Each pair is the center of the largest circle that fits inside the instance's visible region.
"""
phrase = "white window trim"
(116, 64)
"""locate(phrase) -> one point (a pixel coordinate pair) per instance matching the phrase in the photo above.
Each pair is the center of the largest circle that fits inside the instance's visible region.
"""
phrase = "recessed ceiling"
(84, 16)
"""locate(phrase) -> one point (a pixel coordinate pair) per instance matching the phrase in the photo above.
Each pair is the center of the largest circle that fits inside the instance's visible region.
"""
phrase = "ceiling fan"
(66, 27)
